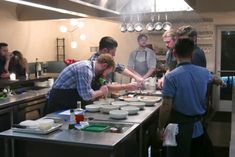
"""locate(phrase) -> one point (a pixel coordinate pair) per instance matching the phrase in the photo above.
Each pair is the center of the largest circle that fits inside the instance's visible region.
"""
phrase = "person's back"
(190, 82)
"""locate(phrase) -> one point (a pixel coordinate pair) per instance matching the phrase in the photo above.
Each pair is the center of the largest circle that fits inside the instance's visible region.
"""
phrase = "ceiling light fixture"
(47, 7)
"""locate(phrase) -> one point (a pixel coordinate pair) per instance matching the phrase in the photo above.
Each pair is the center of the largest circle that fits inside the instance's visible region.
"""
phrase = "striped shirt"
(77, 76)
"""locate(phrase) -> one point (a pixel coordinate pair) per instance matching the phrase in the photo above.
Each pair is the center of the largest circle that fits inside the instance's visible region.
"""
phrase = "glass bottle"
(72, 119)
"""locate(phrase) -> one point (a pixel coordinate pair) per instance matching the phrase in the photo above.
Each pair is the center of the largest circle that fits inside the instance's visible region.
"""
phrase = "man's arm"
(165, 110)
(149, 73)
(118, 87)
(131, 73)
(216, 80)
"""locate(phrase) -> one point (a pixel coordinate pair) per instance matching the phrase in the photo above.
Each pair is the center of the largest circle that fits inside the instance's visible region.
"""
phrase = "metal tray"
(37, 131)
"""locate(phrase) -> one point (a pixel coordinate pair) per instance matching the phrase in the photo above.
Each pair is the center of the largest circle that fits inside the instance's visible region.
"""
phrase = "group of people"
(184, 85)
(13, 62)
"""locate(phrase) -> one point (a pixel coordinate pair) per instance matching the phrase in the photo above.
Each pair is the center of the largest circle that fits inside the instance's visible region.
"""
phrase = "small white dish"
(93, 107)
(140, 105)
(119, 103)
(118, 114)
(107, 108)
(131, 109)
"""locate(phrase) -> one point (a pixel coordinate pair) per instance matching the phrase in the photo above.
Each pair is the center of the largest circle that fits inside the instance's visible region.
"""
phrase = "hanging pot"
(138, 27)
(123, 27)
(166, 26)
(150, 25)
(158, 26)
(130, 27)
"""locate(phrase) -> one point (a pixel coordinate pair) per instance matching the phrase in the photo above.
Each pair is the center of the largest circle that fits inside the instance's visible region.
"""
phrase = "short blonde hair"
(106, 58)
(186, 31)
(170, 33)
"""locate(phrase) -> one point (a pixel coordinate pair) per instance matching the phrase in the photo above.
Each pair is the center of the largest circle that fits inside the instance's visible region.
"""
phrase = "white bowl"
(134, 99)
(45, 124)
(119, 103)
(140, 105)
(93, 107)
(107, 108)
(118, 114)
(149, 100)
(131, 109)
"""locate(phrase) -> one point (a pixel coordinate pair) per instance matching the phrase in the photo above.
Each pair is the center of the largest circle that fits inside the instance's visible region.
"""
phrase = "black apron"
(184, 137)
(63, 99)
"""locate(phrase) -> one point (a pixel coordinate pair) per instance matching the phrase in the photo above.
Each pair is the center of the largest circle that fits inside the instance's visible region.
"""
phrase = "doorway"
(225, 66)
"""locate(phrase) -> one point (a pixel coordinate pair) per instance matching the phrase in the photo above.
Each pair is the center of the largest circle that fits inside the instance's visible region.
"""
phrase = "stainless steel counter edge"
(75, 137)
(232, 140)
(14, 99)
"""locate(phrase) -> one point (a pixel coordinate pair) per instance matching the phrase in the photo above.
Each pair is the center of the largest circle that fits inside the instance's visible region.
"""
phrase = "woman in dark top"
(18, 64)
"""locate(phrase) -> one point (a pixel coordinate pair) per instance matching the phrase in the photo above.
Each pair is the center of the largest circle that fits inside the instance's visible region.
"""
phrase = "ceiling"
(114, 9)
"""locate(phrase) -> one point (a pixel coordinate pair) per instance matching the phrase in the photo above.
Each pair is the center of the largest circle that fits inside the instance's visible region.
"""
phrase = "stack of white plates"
(119, 103)
(140, 105)
(118, 114)
(107, 108)
(131, 109)
(93, 107)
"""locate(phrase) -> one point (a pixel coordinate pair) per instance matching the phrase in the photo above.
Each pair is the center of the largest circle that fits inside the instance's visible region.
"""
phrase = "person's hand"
(132, 86)
(104, 89)
(139, 80)
(160, 82)
(5, 75)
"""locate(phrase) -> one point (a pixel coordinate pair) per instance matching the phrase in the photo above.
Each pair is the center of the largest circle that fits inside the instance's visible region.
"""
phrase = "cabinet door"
(30, 110)
(5, 124)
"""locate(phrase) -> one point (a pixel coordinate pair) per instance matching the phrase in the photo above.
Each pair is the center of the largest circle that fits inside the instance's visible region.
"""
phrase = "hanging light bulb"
(74, 44)
(83, 36)
(74, 22)
(63, 29)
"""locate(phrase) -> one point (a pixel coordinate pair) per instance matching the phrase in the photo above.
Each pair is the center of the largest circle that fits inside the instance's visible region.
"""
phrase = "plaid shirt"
(77, 76)
(118, 67)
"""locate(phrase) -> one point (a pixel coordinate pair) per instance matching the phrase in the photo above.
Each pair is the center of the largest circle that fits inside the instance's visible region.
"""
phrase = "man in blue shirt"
(184, 95)
(74, 83)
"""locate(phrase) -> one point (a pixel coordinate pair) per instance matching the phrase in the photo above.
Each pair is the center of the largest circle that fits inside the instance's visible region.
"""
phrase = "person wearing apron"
(184, 95)
(142, 61)
(74, 84)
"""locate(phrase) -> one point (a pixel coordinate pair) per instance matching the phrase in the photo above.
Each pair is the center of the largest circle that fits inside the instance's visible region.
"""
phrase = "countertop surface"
(14, 99)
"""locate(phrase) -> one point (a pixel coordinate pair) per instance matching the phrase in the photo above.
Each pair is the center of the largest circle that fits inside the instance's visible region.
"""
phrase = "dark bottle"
(38, 69)
(72, 119)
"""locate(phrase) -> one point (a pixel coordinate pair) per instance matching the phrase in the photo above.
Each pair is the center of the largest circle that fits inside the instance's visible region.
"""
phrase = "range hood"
(107, 9)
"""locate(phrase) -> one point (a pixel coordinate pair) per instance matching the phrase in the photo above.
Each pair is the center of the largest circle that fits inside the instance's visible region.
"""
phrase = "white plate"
(149, 100)
(118, 114)
(107, 108)
(131, 109)
(134, 99)
(137, 104)
(119, 103)
(93, 107)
